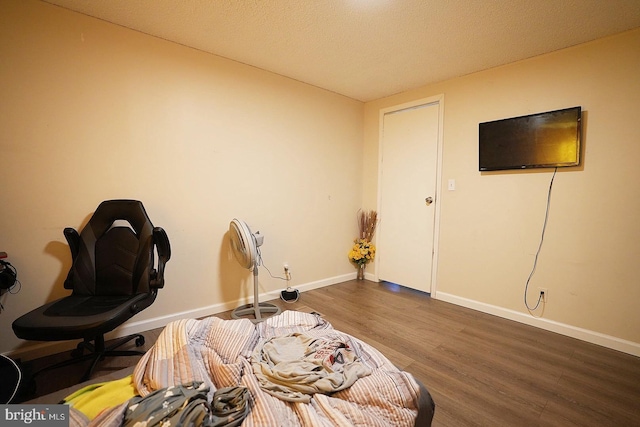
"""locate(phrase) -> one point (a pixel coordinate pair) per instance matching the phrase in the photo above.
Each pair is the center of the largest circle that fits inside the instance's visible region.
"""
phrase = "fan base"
(256, 313)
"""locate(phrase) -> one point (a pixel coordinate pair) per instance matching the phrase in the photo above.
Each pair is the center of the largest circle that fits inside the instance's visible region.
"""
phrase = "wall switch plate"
(451, 185)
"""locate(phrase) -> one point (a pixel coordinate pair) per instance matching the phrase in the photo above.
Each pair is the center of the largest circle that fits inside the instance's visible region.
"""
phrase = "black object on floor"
(290, 295)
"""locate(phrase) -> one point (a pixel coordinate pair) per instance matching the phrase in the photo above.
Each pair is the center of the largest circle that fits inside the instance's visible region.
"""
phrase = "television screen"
(542, 140)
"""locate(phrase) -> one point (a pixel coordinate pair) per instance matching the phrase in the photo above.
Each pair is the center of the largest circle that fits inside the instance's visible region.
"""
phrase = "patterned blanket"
(218, 353)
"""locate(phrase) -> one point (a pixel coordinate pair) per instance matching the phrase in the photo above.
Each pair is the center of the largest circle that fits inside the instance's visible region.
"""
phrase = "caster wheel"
(140, 341)
(77, 352)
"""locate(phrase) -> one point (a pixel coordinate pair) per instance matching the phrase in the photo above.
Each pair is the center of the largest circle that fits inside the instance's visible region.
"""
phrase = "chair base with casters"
(113, 277)
(97, 353)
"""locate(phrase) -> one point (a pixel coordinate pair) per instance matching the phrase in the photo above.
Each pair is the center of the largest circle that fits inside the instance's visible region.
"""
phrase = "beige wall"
(491, 224)
(91, 111)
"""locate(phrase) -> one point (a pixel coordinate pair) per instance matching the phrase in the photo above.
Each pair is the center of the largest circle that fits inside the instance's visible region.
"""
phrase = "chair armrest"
(161, 242)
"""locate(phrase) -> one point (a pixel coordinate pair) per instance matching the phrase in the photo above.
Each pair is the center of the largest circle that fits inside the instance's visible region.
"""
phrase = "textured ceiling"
(368, 49)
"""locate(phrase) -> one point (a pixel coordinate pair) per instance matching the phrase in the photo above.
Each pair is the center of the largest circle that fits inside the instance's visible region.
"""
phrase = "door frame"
(438, 99)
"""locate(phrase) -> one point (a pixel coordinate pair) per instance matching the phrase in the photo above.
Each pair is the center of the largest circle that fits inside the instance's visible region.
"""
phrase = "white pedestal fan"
(244, 245)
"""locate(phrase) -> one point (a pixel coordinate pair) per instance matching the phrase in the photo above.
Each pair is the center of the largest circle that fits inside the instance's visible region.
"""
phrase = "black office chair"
(112, 278)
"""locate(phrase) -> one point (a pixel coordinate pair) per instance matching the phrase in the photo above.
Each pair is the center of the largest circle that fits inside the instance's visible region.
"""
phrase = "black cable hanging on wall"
(535, 261)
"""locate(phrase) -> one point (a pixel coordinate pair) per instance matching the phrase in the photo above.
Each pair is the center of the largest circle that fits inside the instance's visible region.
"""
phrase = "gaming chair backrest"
(115, 251)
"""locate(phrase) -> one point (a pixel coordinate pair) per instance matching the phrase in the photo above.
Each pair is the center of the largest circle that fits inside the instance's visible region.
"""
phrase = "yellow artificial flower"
(362, 252)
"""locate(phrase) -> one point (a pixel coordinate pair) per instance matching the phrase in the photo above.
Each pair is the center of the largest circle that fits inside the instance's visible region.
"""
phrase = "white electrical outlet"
(543, 294)
(287, 271)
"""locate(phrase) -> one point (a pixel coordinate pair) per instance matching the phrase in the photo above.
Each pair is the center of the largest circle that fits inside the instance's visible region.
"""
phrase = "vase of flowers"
(360, 254)
(363, 250)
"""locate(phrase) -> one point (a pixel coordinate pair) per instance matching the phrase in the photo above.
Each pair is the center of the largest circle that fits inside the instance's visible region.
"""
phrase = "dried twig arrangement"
(367, 221)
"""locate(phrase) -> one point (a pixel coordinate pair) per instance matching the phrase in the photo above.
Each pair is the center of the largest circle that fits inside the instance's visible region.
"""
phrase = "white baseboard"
(40, 349)
(593, 337)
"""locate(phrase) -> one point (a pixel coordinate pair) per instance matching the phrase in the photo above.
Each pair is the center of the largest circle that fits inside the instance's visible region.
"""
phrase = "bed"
(293, 369)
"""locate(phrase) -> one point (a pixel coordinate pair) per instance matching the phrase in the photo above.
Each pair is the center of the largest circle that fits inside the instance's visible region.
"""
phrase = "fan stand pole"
(256, 302)
(257, 309)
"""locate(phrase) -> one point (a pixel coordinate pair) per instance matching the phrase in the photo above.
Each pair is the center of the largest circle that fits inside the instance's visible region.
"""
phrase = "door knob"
(428, 200)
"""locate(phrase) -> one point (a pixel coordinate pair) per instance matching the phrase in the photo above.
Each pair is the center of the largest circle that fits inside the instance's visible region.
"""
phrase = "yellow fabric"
(95, 398)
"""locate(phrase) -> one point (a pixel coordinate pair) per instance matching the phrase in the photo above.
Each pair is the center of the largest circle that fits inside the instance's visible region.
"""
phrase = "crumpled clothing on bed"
(230, 406)
(181, 405)
(187, 405)
(294, 367)
(95, 398)
(176, 405)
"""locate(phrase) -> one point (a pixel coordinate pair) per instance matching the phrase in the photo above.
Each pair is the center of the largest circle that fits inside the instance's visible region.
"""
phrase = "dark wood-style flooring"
(481, 370)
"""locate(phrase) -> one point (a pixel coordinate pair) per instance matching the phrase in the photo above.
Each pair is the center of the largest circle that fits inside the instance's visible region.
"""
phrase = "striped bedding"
(218, 353)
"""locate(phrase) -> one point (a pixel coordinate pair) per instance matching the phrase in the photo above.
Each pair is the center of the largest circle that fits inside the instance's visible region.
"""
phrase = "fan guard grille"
(244, 245)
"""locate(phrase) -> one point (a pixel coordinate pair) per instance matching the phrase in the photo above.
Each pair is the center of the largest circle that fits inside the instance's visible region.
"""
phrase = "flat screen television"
(541, 140)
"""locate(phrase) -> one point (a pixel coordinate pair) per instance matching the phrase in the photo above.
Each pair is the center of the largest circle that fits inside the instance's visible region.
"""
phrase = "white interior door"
(408, 199)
